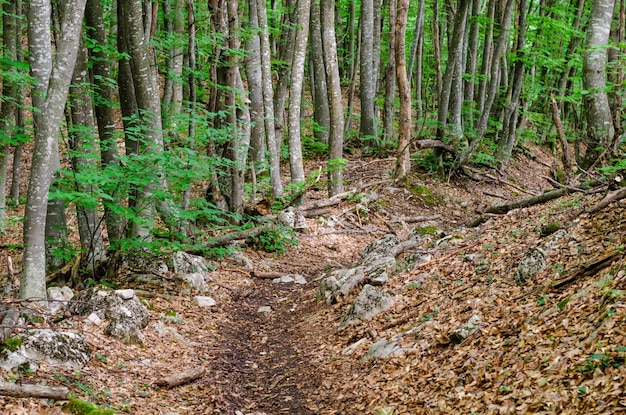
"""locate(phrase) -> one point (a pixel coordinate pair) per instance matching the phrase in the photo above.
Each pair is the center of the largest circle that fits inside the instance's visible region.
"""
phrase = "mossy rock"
(78, 407)
(550, 228)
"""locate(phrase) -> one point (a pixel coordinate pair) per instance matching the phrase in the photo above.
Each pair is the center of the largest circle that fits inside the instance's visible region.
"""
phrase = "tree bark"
(335, 150)
(297, 80)
(367, 85)
(597, 110)
(403, 165)
(53, 81)
(273, 145)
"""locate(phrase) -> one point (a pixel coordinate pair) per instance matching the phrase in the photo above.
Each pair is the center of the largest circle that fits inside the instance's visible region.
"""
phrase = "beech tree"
(52, 77)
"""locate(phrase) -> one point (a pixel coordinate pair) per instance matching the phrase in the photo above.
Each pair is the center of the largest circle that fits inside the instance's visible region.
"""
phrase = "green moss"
(550, 228)
(561, 304)
(424, 193)
(78, 407)
(427, 230)
(11, 344)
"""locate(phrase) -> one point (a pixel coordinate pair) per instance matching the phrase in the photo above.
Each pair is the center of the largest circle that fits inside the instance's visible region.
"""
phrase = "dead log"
(590, 268)
(414, 219)
(568, 162)
(181, 378)
(535, 200)
(58, 393)
(610, 197)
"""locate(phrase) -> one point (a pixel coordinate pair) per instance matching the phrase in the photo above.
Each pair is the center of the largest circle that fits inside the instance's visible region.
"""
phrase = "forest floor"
(540, 347)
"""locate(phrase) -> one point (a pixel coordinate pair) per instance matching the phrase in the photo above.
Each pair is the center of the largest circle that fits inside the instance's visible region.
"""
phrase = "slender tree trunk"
(9, 99)
(101, 69)
(597, 110)
(509, 137)
(49, 98)
(335, 150)
(367, 80)
(403, 165)
(321, 112)
(273, 145)
(84, 146)
(239, 114)
(437, 47)
(255, 82)
(148, 102)
(390, 79)
(174, 21)
(297, 81)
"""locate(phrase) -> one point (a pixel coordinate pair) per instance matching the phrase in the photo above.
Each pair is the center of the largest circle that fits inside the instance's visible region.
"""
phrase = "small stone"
(93, 318)
(202, 301)
(283, 280)
(264, 309)
(299, 279)
(381, 349)
(125, 294)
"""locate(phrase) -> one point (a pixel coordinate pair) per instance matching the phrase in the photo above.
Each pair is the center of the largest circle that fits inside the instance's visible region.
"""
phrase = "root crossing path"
(267, 361)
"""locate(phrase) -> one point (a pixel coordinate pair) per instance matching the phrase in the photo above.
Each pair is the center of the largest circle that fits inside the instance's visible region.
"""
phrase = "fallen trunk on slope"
(181, 378)
(58, 393)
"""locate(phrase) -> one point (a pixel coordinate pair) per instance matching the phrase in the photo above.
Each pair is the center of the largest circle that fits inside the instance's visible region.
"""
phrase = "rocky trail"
(523, 313)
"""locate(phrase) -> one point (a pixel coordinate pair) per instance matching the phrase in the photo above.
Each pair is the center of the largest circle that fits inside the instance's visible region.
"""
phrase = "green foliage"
(600, 361)
(275, 240)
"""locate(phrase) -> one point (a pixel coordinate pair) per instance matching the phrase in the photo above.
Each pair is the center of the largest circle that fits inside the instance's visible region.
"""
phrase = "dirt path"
(267, 361)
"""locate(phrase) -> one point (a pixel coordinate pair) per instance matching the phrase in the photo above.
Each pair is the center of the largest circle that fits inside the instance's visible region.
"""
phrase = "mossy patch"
(78, 407)
(11, 344)
(424, 194)
(427, 230)
(550, 228)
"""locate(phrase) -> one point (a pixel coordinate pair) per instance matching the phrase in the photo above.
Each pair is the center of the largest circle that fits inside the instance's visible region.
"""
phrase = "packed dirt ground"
(550, 345)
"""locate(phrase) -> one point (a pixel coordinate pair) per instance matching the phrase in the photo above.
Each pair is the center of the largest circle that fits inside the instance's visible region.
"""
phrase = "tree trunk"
(509, 135)
(102, 73)
(273, 145)
(367, 81)
(404, 163)
(49, 98)
(9, 99)
(148, 103)
(255, 82)
(335, 150)
(84, 148)
(297, 80)
(390, 80)
(321, 112)
(597, 110)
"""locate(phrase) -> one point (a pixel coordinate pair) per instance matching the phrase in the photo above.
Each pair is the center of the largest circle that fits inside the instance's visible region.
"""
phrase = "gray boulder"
(382, 247)
(126, 316)
(381, 349)
(55, 348)
(377, 273)
(530, 265)
(339, 283)
(459, 335)
(370, 302)
(192, 269)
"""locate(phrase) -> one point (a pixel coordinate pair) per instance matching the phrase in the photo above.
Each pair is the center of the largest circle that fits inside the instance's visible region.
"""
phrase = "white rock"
(60, 296)
(202, 301)
(125, 294)
(299, 279)
(264, 309)
(93, 318)
(283, 280)
(195, 280)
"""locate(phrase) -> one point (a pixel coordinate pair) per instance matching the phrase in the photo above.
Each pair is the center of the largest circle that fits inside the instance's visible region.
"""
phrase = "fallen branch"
(535, 200)
(58, 393)
(610, 197)
(181, 378)
(513, 185)
(267, 275)
(413, 219)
